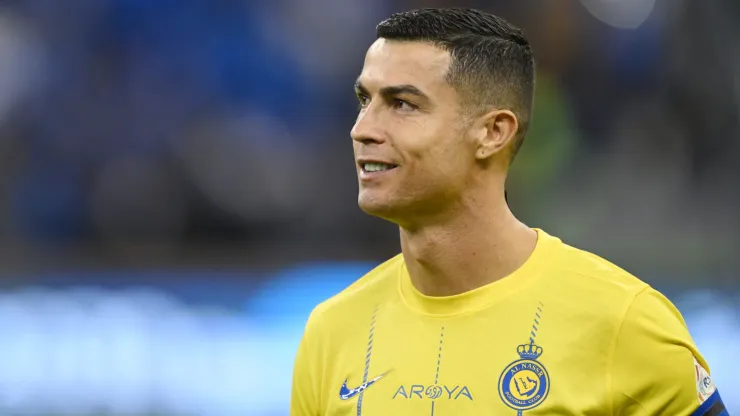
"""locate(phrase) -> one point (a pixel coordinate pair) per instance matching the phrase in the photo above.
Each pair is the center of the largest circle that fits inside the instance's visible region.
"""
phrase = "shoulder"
(614, 285)
(593, 289)
(600, 285)
(653, 363)
(591, 269)
(597, 283)
(377, 284)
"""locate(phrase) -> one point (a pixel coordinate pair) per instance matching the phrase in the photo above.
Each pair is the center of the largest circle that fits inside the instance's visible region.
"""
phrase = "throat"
(445, 275)
(446, 263)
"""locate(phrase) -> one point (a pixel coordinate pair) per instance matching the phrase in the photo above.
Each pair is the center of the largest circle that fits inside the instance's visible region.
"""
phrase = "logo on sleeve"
(704, 385)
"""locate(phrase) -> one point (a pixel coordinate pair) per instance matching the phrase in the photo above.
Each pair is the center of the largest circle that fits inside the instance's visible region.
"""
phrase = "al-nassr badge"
(524, 384)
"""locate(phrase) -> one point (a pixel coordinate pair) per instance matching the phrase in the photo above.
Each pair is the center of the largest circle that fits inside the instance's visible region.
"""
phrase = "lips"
(374, 168)
(374, 165)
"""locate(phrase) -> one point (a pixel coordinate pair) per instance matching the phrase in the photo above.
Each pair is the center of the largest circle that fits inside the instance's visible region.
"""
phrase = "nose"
(368, 127)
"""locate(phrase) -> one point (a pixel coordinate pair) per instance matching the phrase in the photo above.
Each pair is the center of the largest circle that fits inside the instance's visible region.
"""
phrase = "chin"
(371, 206)
(376, 205)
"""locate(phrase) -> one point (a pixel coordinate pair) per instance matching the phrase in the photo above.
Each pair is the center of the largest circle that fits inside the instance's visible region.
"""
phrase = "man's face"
(410, 126)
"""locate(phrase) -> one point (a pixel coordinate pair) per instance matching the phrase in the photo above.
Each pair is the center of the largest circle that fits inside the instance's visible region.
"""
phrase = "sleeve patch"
(704, 385)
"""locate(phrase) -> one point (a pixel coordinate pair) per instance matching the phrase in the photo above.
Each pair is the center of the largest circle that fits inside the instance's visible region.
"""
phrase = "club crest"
(525, 383)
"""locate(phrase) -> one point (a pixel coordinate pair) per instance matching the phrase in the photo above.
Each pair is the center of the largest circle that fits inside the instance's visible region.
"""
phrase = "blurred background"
(178, 189)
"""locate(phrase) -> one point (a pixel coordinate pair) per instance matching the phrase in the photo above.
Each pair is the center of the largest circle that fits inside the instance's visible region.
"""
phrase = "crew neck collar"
(483, 296)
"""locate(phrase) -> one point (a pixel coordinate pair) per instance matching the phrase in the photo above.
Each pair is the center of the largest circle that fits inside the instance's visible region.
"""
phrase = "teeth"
(376, 167)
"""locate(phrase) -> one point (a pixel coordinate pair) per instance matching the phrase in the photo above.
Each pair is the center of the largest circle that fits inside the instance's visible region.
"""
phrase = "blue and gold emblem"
(525, 383)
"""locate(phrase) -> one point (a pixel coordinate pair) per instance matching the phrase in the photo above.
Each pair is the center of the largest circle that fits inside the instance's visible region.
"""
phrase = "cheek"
(440, 166)
(436, 152)
(445, 154)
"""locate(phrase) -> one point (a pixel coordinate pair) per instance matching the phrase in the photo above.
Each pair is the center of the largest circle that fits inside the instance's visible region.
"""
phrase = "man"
(480, 315)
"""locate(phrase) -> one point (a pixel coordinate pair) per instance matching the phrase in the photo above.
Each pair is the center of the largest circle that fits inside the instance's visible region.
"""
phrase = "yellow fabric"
(567, 333)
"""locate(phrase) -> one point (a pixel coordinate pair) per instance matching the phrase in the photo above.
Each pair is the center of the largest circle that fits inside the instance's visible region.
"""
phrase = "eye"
(363, 100)
(402, 105)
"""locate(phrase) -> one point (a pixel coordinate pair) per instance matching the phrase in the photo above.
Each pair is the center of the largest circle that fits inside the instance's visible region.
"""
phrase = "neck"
(479, 244)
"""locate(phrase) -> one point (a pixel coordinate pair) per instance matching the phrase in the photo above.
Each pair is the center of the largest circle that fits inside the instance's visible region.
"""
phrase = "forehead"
(390, 62)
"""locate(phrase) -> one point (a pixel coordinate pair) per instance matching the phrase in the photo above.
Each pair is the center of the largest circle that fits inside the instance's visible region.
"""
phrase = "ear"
(494, 131)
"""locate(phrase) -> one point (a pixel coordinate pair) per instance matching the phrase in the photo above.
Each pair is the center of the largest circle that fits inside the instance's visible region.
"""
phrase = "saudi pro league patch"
(704, 385)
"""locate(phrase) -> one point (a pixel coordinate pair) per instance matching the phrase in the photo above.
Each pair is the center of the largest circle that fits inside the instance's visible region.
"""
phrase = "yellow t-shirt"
(567, 333)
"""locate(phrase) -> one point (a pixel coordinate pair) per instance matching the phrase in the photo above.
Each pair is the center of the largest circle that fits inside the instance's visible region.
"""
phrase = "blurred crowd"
(217, 131)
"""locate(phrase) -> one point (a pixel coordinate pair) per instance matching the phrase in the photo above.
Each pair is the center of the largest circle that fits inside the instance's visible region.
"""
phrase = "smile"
(376, 167)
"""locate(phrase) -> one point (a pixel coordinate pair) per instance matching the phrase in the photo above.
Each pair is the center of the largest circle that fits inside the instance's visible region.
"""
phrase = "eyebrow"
(393, 90)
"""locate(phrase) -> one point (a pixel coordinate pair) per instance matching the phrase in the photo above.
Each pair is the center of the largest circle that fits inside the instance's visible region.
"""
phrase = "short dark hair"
(491, 60)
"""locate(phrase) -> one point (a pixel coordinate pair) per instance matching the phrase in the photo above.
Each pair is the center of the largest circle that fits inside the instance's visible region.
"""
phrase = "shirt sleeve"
(655, 367)
(304, 400)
